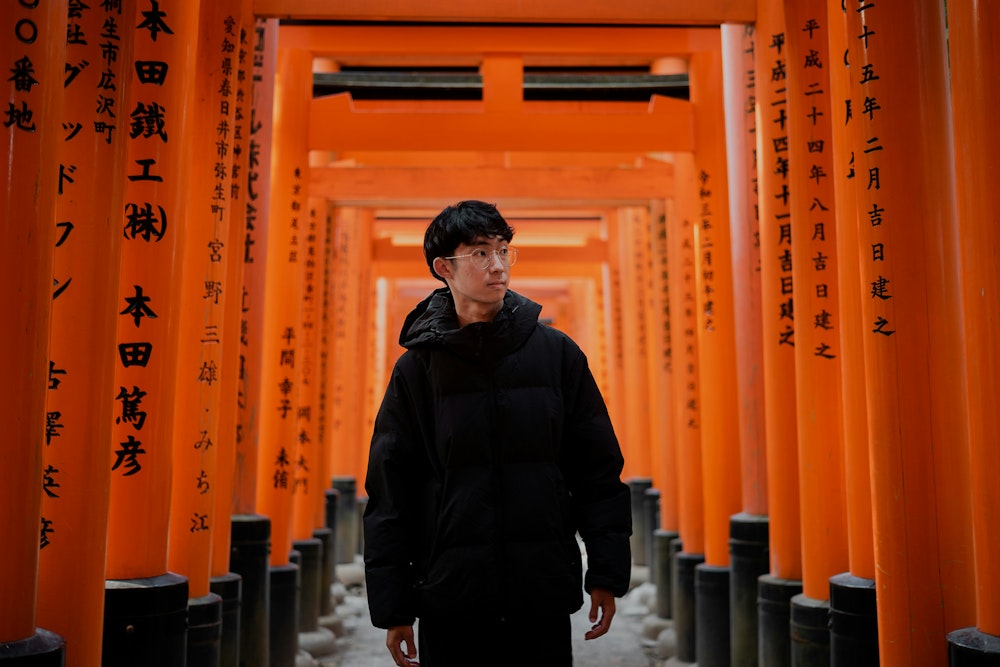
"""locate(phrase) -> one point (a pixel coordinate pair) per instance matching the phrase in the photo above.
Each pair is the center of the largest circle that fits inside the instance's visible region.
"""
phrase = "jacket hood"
(434, 323)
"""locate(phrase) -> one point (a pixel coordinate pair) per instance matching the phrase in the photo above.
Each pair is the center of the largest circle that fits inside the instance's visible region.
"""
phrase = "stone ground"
(632, 641)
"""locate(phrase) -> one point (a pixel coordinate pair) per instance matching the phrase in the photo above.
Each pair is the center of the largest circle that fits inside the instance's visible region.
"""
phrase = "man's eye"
(503, 252)
(479, 254)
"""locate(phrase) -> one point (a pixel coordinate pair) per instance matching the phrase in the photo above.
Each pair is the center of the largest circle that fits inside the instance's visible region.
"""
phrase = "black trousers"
(522, 642)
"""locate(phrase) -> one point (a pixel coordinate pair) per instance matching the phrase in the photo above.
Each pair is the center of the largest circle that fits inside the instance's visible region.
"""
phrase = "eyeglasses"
(482, 258)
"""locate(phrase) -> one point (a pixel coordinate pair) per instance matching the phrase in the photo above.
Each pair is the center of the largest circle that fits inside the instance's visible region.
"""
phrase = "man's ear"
(442, 267)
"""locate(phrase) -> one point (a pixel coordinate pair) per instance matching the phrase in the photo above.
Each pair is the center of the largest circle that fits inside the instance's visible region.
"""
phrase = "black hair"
(463, 223)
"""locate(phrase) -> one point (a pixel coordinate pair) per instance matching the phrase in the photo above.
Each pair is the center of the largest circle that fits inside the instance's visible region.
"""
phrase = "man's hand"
(398, 635)
(603, 600)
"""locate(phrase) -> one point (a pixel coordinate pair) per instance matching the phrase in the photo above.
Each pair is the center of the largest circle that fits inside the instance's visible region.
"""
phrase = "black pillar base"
(651, 507)
(42, 649)
(749, 559)
(810, 627)
(310, 574)
(249, 558)
(711, 584)
(145, 621)
(284, 632)
(229, 588)
(774, 608)
(332, 501)
(347, 519)
(684, 605)
(662, 570)
(204, 643)
(325, 537)
(640, 520)
(853, 622)
(969, 647)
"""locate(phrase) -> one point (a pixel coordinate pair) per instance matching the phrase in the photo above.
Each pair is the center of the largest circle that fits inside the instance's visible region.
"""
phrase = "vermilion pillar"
(973, 67)
(748, 528)
(853, 625)
(817, 321)
(616, 345)
(76, 475)
(687, 404)
(717, 356)
(277, 464)
(34, 52)
(777, 321)
(910, 269)
(202, 331)
(155, 119)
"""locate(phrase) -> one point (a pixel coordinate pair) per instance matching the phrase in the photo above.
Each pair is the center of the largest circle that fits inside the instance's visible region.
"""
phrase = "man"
(491, 450)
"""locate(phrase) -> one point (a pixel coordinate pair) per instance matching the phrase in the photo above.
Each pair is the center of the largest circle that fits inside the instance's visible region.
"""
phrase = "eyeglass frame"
(495, 252)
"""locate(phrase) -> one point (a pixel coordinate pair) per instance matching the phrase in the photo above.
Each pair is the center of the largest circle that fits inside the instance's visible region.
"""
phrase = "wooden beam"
(378, 186)
(411, 44)
(664, 12)
(663, 125)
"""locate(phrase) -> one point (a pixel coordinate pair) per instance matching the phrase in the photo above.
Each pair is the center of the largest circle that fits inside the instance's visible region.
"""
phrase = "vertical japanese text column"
(974, 67)
(251, 532)
(816, 338)
(287, 217)
(82, 356)
(776, 588)
(908, 240)
(224, 582)
(748, 528)
(201, 328)
(717, 356)
(33, 51)
(687, 406)
(139, 585)
(853, 626)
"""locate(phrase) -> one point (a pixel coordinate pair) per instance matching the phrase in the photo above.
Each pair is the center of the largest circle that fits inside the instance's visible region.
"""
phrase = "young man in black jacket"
(492, 449)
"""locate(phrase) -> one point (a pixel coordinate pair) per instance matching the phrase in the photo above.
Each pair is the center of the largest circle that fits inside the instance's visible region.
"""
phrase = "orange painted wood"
(33, 45)
(384, 185)
(205, 292)
(287, 227)
(229, 392)
(974, 65)
(664, 124)
(914, 358)
(309, 484)
(324, 365)
(424, 45)
(82, 354)
(857, 478)
(558, 11)
(720, 439)
(780, 419)
(149, 295)
(255, 244)
(739, 45)
(615, 342)
(815, 290)
(661, 367)
(683, 267)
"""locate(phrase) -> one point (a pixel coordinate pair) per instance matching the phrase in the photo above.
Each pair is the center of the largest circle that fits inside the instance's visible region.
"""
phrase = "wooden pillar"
(287, 224)
(254, 246)
(76, 476)
(615, 314)
(34, 52)
(817, 321)
(853, 622)
(910, 268)
(747, 529)
(973, 66)
(157, 112)
(777, 325)
(204, 291)
(688, 420)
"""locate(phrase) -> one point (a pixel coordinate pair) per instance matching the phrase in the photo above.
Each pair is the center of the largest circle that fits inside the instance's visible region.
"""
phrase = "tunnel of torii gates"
(206, 266)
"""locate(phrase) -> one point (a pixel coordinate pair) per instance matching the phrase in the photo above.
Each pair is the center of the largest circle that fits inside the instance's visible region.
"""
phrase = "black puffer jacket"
(492, 449)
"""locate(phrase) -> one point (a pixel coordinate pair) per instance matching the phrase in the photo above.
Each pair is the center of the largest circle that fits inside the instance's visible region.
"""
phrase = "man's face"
(479, 273)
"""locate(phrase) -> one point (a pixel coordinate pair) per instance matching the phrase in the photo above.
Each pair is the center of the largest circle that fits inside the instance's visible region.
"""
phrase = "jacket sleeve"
(389, 523)
(602, 504)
